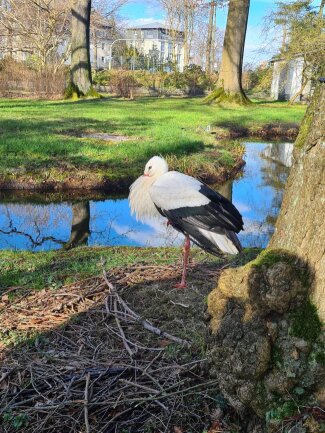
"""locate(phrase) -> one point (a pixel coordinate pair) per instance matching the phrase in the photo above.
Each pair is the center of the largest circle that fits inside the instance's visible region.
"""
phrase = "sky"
(257, 48)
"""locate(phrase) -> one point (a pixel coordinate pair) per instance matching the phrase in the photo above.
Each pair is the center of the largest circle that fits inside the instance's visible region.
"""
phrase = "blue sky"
(257, 48)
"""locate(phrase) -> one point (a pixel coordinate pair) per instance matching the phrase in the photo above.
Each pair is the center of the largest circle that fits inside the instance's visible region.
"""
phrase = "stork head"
(155, 167)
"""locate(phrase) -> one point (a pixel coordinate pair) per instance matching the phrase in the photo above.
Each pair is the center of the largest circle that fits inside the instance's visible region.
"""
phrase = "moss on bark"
(220, 95)
(266, 340)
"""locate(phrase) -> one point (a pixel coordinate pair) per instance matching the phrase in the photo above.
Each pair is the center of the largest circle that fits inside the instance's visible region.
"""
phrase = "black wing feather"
(224, 211)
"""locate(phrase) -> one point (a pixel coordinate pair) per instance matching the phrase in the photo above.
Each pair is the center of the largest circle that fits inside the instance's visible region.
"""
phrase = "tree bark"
(266, 336)
(230, 75)
(209, 38)
(80, 45)
(300, 227)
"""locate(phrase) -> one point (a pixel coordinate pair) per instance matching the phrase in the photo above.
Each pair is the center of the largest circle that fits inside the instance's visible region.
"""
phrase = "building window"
(163, 47)
(103, 46)
(170, 49)
(149, 34)
(103, 59)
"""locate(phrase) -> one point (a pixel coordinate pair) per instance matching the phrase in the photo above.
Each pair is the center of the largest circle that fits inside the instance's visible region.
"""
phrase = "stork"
(203, 215)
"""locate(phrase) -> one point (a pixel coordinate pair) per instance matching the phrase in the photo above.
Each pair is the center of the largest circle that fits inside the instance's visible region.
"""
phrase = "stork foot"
(181, 285)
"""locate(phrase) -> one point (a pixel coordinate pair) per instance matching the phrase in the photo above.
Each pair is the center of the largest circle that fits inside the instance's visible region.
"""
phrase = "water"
(257, 194)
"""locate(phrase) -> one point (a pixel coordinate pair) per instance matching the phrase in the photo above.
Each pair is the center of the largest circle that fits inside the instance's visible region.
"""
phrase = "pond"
(257, 193)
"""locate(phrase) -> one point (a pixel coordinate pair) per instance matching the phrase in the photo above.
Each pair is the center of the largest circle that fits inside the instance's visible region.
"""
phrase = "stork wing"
(182, 198)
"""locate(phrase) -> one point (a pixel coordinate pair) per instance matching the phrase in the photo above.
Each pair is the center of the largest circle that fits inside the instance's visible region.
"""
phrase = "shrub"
(18, 79)
(193, 81)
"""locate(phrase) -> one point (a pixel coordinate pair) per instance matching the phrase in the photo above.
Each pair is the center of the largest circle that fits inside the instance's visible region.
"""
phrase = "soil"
(270, 131)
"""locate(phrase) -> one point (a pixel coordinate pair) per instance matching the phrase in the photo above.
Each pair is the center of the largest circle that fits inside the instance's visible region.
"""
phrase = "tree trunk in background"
(300, 227)
(229, 86)
(80, 45)
(233, 46)
(209, 38)
(186, 39)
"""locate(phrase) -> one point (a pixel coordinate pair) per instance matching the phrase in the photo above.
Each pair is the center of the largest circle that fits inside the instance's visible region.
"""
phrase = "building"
(287, 79)
(102, 35)
(157, 42)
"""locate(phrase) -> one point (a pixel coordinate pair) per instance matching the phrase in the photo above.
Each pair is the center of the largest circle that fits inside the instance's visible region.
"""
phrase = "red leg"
(186, 252)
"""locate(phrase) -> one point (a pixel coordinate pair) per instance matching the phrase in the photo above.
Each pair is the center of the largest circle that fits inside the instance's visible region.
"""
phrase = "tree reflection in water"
(80, 227)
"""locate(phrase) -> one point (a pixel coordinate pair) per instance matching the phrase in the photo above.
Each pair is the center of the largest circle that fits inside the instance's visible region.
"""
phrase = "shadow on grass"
(67, 342)
(33, 145)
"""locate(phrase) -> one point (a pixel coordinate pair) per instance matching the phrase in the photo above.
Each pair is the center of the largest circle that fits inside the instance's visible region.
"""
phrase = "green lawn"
(37, 145)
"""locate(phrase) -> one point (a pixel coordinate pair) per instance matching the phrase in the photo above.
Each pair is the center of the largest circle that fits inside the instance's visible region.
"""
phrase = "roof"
(153, 25)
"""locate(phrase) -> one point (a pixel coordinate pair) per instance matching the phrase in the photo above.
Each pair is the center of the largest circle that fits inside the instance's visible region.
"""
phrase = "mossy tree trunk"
(229, 85)
(266, 345)
(80, 46)
(300, 227)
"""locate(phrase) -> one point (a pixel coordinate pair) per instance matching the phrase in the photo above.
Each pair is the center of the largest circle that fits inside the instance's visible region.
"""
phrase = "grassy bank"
(41, 144)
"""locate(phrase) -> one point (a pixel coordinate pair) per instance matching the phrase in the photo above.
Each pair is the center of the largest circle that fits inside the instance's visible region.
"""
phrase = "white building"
(287, 79)
(157, 41)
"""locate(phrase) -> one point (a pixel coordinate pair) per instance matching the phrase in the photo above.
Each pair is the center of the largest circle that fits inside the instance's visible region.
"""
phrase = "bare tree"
(199, 41)
(39, 29)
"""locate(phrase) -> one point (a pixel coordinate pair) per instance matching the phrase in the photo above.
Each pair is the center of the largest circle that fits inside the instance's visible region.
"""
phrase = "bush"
(193, 81)
(17, 79)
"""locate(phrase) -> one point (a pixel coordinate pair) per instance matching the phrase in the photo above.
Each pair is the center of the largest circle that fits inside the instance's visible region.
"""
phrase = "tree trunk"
(80, 45)
(229, 87)
(213, 39)
(186, 38)
(209, 39)
(298, 92)
(301, 224)
(266, 336)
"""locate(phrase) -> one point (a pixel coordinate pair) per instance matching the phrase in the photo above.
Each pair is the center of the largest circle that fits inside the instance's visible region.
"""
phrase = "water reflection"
(279, 152)
(257, 194)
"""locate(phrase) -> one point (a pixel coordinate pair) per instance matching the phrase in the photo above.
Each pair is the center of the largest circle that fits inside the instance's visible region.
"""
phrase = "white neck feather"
(139, 198)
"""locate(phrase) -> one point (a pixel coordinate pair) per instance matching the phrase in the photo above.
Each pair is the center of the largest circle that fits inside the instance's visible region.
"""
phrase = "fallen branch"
(114, 298)
(86, 403)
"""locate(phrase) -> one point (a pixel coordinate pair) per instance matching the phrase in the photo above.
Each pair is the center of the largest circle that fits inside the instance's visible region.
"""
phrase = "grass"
(57, 268)
(28, 270)
(38, 143)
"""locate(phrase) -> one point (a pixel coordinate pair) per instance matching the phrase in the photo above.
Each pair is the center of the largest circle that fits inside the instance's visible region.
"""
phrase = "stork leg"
(186, 252)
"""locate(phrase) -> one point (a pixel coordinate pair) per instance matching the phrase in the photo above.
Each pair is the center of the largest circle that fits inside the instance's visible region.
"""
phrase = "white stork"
(204, 216)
